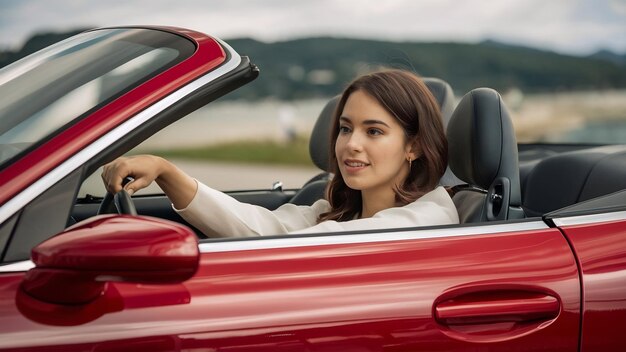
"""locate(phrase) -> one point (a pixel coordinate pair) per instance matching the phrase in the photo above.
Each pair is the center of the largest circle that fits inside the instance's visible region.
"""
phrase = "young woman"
(388, 153)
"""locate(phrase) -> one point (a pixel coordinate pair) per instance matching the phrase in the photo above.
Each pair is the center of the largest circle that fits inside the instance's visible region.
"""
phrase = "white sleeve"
(218, 215)
(433, 208)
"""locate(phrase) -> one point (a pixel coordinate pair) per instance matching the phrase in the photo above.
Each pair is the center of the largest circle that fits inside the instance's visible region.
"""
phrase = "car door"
(496, 287)
(599, 241)
(503, 286)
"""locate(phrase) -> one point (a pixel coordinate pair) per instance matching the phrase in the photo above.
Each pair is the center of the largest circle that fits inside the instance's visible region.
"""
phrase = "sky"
(578, 27)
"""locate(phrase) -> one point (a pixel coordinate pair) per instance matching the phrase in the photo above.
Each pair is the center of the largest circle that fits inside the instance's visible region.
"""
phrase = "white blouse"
(219, 215)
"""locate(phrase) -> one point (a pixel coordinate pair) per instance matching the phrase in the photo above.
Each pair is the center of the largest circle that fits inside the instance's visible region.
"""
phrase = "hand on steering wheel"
(120, 203)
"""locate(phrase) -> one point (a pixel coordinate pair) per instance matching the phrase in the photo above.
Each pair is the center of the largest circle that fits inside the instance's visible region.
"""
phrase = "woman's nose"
(354, 142)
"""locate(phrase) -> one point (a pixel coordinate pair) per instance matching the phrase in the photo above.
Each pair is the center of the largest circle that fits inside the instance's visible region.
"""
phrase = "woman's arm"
(213, 212)
(179, 187)
(217, 214)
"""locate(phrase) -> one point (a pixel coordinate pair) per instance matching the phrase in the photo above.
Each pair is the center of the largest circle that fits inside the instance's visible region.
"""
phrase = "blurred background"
(560, 65)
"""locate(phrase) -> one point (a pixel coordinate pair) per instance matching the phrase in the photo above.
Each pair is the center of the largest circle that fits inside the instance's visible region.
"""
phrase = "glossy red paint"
(117, 242)
(20, 174)
(388, 290)
(59, 286)
(601, 249)
(71, 268)
(364, 296)
(109, 301)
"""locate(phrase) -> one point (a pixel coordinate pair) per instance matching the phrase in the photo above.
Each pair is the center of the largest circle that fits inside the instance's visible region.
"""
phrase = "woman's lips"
(354, 165)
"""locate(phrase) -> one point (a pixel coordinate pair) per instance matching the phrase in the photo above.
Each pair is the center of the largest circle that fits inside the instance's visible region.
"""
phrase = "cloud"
(573, 26)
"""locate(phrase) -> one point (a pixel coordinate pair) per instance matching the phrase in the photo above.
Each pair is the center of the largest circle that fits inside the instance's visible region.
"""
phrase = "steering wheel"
(120, 203)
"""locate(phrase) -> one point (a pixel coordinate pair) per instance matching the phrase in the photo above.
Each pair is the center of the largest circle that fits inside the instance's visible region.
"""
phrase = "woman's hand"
(144, 169)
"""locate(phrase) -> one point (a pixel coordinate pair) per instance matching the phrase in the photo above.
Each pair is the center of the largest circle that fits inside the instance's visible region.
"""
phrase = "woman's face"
(371, 147)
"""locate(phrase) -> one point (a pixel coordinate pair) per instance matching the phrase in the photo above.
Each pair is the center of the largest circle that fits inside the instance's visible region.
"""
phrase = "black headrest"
(442, 91)
(481, 142)
(318, 145)
(320, 136)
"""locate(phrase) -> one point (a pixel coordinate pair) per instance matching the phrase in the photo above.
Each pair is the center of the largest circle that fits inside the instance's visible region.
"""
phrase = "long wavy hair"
(405, 96)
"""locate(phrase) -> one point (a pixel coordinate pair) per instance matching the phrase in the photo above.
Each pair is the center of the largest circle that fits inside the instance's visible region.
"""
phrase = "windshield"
(53, 87)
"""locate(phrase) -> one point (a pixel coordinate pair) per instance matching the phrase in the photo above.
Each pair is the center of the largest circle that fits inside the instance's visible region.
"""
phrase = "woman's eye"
(374, 131)
(344, 129)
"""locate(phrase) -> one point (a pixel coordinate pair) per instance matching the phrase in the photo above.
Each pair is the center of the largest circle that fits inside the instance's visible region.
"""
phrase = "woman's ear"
(413, 150)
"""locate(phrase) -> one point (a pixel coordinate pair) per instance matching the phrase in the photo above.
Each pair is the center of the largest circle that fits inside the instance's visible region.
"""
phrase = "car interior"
(490, 179)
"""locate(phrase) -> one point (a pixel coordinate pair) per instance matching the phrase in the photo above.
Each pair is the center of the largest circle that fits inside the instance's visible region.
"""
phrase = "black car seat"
(483, 153)
(571, 177)
(314, 189)
(442, 91)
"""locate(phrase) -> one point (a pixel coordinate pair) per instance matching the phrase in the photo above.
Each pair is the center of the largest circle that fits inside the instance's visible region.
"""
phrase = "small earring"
(410, 163)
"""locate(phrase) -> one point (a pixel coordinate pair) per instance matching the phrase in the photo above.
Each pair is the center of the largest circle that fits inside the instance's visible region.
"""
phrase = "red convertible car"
(538, 262)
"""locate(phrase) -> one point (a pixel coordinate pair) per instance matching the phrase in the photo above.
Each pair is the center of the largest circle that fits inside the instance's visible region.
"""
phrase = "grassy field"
(267, 152)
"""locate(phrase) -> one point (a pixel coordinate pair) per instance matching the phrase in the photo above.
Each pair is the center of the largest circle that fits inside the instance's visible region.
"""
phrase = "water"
(612, 131)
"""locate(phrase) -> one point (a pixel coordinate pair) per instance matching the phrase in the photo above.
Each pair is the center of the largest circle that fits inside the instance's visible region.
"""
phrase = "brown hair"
(408, 99)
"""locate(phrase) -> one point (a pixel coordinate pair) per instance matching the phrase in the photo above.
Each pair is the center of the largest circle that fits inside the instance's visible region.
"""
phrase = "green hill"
(312, 67)
(464, 66)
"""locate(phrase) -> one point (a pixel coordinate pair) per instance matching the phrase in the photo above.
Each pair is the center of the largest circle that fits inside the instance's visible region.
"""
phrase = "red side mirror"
(73, 267)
